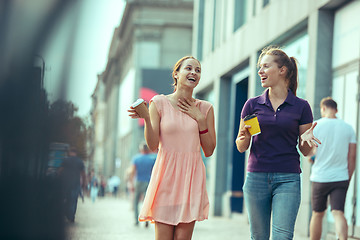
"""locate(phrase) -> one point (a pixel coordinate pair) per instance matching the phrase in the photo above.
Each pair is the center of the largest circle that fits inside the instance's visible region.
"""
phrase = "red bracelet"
(204, 131)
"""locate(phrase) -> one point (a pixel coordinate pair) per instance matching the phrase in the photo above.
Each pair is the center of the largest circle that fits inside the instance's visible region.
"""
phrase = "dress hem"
(147, 219)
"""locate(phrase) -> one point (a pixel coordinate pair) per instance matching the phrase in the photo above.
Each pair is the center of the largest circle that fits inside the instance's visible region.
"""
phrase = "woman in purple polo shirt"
(272, 184)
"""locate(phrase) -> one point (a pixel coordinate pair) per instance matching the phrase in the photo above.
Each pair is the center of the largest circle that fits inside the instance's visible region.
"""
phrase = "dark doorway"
(238, 159)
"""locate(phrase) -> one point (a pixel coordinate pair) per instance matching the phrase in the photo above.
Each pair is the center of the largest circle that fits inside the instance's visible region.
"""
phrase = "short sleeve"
(353, 135)
(247, 109)
(205, 107)
(306, 116)
(133, 161)
(315, 131)
(157, 99)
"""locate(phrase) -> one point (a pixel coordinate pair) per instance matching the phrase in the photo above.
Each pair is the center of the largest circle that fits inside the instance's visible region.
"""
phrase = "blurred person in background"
(71, 170)
(114, 183)
(102, 186)
(140, 171)
(130, 188)
(179, 125)
(94, 186)
(332, 169)
(272, 184)
(81, 191)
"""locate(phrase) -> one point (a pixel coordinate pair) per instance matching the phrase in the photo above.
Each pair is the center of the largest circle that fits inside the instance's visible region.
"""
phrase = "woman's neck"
(182, 93)
(278, 93)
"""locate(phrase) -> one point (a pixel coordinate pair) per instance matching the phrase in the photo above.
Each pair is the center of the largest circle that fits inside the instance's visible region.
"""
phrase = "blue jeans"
(71, 199)
(140, 190)
(278, 193)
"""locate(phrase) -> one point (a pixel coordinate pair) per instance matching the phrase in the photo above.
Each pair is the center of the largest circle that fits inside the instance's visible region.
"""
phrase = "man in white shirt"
(333, 167)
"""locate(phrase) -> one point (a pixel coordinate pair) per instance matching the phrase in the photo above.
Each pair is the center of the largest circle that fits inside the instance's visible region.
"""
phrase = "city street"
(112, 218)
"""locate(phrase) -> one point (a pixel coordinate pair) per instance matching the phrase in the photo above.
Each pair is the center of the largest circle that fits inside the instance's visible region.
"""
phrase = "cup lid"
(248, 117)
(137, 102)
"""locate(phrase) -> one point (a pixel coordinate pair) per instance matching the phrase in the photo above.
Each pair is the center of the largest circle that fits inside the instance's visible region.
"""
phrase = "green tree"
(66, 127)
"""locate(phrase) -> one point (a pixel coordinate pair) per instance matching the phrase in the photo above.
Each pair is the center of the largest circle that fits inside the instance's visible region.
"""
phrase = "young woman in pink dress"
(178, 125)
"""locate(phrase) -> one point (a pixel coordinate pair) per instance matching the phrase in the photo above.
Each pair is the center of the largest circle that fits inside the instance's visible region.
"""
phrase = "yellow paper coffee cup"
(252, 121)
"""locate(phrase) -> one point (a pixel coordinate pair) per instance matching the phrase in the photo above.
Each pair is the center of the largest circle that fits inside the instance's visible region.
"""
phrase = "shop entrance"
(238, 159)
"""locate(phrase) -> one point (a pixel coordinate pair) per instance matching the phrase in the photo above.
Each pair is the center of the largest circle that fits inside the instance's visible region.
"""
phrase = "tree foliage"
(66, 127)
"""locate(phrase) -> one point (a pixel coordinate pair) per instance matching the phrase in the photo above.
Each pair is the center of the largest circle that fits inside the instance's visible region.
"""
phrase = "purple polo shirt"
(274, 150)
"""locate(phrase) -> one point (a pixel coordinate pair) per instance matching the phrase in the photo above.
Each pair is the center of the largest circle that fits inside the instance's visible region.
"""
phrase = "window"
(200, 33)
(254, 8)
(239, 14)
(298, 47)
(214, 27)
(265, 2)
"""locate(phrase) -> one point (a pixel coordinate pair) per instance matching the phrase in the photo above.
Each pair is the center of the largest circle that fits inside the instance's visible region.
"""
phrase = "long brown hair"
(282, 59)
(177, 67)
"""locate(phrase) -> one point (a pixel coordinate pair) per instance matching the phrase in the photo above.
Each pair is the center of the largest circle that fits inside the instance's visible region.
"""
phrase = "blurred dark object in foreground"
(30, 202)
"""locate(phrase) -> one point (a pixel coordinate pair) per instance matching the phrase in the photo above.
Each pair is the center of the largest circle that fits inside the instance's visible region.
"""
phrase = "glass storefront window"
(345, 90)
(299, 48)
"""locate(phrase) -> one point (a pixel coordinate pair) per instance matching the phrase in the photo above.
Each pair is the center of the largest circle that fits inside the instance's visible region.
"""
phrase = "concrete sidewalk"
(112, 218)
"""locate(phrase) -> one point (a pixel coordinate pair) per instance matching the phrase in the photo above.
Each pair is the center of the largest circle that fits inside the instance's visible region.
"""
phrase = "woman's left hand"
(188, 106)
(309, 138)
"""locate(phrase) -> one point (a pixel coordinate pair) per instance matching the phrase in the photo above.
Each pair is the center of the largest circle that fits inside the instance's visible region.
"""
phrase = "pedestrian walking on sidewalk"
(94, 186)
(72, 168)
(114, 183)
(179, 125)
(272, 184)
(140, 171)
(332, 169)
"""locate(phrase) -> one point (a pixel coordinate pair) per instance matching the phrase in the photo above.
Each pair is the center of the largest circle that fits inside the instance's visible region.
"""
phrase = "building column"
(219, 163)
(319, 75)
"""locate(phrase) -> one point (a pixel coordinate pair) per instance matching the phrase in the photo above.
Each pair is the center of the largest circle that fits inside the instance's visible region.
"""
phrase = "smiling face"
(269, 71)
(189, 73)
